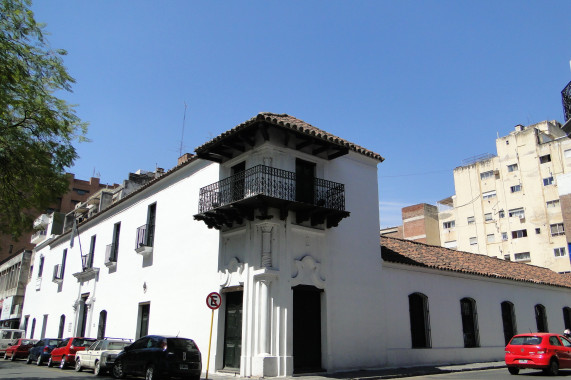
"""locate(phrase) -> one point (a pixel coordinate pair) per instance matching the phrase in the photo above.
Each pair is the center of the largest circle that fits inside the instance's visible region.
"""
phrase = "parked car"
(545, 351)
(41, 351)
(8, 336)
(155, 356)
(64, 353)
(100, 356)
(19, 350)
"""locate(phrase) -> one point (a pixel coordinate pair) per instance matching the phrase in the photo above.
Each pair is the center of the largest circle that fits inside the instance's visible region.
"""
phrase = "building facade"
(79, 191)
(508, 206)
(281, 219)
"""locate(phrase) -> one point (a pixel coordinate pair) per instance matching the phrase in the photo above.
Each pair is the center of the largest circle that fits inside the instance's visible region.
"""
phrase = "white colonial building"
(281, 219)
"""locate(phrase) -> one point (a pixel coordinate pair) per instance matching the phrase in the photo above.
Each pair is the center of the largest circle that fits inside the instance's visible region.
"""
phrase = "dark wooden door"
(233, 330)
(306, 329)
(304, 181)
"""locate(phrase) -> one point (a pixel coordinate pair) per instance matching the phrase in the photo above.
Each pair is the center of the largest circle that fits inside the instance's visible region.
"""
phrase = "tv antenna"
(182, 134)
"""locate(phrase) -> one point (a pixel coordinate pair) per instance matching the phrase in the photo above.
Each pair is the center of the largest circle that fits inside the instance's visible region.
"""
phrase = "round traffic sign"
(213, 300)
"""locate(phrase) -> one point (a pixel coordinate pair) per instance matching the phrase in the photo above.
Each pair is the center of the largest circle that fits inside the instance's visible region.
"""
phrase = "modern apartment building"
(508, 205)
(79, 191)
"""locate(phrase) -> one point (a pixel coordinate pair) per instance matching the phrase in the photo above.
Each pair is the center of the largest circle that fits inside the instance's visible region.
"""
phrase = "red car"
(64, 353)
(19, 350)
(545, 351)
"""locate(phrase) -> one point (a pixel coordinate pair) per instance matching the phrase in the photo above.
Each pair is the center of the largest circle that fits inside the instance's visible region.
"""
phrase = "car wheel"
(28, 359)
(39, 361)
(513, 370)
(50, 362)
(553, 369)
(62, 364)
(97, 370)
(150, 373)
(118, 371)
(77, 365)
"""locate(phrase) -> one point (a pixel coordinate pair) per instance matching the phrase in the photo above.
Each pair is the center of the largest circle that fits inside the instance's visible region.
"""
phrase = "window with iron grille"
(419, 320)
(559, 252)
(469, 322)
(471, 220)
(541, 318)
(508, 321)
(504, 236)
(515, 189)
(512, 168)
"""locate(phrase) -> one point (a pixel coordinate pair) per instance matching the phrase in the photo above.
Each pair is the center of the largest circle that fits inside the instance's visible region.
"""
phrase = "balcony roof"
(299, 134)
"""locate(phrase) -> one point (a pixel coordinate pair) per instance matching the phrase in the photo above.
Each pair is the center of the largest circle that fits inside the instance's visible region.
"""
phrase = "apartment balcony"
(111, 255)
(88, 272)
(145, 240)
(238, 197)
(38, 237)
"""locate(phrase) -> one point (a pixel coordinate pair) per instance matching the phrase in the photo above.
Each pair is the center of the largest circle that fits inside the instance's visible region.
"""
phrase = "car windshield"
(25, 342)
(53, 342)
(181, 344)
(80, 342)
(117, 345)
(526, 340)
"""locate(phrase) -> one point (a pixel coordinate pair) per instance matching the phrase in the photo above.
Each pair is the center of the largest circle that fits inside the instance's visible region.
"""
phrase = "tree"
(36, 127)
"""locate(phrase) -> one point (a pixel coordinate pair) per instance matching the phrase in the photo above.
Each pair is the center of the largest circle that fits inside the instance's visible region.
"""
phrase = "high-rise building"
(508, 205)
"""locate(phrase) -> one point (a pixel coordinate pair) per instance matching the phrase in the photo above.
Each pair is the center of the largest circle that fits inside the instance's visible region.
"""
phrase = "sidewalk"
(385, 373)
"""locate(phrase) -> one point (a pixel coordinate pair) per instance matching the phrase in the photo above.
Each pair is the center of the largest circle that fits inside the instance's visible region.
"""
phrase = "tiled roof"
(423, 255)
(290, 122)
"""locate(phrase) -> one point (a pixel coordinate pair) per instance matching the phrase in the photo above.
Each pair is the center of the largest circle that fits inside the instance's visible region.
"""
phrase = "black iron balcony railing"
(145, 236)
(111, 253)
(274, 183)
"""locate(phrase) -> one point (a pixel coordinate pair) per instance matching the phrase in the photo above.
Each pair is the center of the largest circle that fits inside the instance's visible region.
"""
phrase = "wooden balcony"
(249, 194)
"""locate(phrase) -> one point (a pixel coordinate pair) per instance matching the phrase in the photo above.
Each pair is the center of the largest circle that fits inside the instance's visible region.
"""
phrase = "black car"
(40, 352)
(156, 356)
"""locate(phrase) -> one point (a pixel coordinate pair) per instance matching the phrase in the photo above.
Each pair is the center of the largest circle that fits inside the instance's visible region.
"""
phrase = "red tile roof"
(290, 122)
(423, 255)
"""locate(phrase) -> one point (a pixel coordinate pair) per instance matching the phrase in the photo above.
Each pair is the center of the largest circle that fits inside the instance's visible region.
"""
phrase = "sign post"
(213, 301)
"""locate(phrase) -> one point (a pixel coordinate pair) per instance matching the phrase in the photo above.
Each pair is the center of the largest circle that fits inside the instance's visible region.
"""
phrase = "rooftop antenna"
(182, 134)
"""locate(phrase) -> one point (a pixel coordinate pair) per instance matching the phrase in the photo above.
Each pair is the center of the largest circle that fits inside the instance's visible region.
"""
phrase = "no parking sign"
(213, 301)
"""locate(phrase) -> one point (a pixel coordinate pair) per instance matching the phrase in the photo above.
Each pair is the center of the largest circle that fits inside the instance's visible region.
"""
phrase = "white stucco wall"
(178, 276)
(444, 291)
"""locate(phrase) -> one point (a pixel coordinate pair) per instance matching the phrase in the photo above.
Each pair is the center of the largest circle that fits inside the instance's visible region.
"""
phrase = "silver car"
(100, 356)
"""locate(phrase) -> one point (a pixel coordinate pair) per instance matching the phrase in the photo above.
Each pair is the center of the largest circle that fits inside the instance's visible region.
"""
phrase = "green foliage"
(36, 128)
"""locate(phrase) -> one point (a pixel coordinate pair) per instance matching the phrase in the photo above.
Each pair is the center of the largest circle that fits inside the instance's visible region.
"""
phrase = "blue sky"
(424, 83)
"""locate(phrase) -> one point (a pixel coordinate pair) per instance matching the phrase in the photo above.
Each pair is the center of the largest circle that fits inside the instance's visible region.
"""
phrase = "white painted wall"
(444, 291)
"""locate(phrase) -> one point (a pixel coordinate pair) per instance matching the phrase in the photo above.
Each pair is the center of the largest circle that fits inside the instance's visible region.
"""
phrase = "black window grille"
(419, 320)
(509, 322)
(469, 322)
(541, 318)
